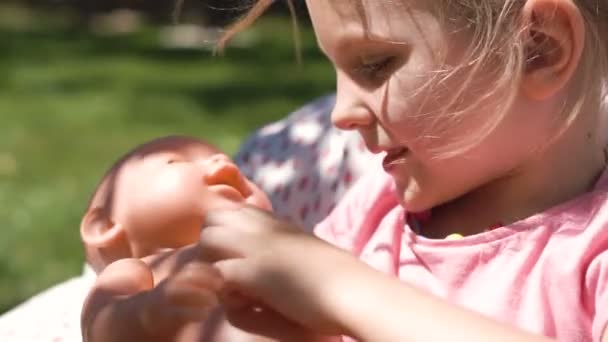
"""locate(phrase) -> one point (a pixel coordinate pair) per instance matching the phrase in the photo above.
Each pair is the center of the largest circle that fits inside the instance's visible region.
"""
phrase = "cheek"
(170, 197)
(410, 112)
(258, 198)
(179, 192)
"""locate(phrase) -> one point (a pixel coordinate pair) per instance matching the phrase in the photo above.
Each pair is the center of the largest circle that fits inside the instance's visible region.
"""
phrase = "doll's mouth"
(228, 192)
(229, 181)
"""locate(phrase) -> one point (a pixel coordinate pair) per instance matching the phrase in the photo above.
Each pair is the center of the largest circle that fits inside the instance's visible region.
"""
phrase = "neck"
(564, 170)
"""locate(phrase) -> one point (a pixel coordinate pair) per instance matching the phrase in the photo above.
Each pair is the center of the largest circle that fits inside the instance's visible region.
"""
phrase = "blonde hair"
(499, 42)
(251, 16)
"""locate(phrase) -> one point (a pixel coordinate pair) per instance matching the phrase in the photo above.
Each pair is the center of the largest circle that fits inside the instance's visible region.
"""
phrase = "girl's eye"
(173, 161)
(373, 68)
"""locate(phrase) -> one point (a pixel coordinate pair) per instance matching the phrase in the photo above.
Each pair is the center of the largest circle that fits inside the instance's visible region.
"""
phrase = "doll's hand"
(296, 278)
(124, 305)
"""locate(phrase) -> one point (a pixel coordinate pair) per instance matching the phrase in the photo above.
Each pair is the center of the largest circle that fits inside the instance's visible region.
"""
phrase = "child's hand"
(124, 305)
(297, 279)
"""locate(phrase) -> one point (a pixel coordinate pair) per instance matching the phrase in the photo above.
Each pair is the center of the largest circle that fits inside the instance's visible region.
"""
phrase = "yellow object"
(454, 237)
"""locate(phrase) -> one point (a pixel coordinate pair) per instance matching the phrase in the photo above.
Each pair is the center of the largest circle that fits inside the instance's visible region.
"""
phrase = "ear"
(97, 230)
(553, 46)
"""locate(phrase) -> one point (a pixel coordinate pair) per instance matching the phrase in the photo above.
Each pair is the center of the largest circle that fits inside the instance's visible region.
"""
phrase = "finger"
(196, 284)
(168, 263)
(186, 314)
(199, 274)
(238, 233)
(257, 212)
(240, 277)
(168, 307)
(266, 322)
(234, 299)
(223, 217)
(159, 318)
(243, 280)
(245, 218)
(219, 243)
(125, 277)
(269, 220)
(187, 295)
(258, 198)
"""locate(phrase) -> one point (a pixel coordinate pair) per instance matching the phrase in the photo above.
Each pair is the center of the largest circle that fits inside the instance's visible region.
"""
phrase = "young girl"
(489, 220)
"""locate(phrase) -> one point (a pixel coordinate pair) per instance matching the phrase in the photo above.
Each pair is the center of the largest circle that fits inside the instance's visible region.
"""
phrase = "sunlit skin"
(158, 197)
(384, 53)
(140, 232)
(384, 61)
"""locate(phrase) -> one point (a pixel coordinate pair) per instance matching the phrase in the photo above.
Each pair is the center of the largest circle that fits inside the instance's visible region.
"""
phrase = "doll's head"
(156, 197)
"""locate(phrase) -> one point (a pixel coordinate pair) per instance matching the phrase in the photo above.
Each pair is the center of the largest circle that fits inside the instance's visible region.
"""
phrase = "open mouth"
(394, 157)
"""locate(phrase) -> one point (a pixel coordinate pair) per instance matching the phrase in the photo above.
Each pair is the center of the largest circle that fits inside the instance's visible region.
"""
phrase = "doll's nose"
(219, 169)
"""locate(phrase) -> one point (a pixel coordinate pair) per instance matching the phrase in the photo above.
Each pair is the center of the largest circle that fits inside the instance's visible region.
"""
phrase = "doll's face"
(161, 198)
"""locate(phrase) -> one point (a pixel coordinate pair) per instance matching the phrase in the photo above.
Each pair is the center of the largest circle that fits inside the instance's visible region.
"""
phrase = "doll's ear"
(98, 230)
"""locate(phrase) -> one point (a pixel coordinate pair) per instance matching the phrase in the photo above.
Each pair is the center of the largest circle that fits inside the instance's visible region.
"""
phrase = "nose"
(219, 169)
(349, 113)
(215, 164)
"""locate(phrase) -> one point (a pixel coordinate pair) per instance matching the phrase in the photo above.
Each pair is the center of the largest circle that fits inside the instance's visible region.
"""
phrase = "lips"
(395, 157)
(228, 179)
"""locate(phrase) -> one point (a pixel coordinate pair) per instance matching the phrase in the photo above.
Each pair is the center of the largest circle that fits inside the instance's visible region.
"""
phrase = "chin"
(413, 206)
(413, 200)
(259, 202)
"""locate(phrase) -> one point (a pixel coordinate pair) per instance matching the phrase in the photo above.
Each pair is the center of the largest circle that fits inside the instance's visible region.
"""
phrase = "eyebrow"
(345, 42)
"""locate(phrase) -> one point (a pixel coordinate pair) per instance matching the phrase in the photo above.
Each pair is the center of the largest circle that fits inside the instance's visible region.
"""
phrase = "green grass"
(71, 102)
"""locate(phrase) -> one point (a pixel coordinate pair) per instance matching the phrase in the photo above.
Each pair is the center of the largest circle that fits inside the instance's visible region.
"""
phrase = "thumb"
(125, 277)
(246, 299)
(105, 299)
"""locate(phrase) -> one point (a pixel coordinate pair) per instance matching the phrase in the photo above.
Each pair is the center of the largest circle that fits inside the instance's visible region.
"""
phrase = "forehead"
(185, 151)
(173, 145)
(145, 160)
(390, 20)
(131, 165)
(147, 157)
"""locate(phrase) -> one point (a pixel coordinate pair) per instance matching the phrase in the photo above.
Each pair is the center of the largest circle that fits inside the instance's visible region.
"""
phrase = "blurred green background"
(78, 90)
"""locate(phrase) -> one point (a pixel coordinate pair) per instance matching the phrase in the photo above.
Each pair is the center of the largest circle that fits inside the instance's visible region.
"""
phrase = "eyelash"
(375, 70)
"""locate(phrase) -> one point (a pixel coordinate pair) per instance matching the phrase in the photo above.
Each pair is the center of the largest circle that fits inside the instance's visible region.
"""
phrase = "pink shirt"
(547, 274)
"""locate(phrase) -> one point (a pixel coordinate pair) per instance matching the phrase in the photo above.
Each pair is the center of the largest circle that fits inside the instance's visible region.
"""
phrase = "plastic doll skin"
(140, 233)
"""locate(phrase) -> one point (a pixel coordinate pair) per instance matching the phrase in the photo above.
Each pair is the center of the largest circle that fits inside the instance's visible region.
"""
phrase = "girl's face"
(386, 55)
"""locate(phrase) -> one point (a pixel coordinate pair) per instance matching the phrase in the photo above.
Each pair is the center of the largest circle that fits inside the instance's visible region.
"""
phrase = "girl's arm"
(324, 289)
(387, 309)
